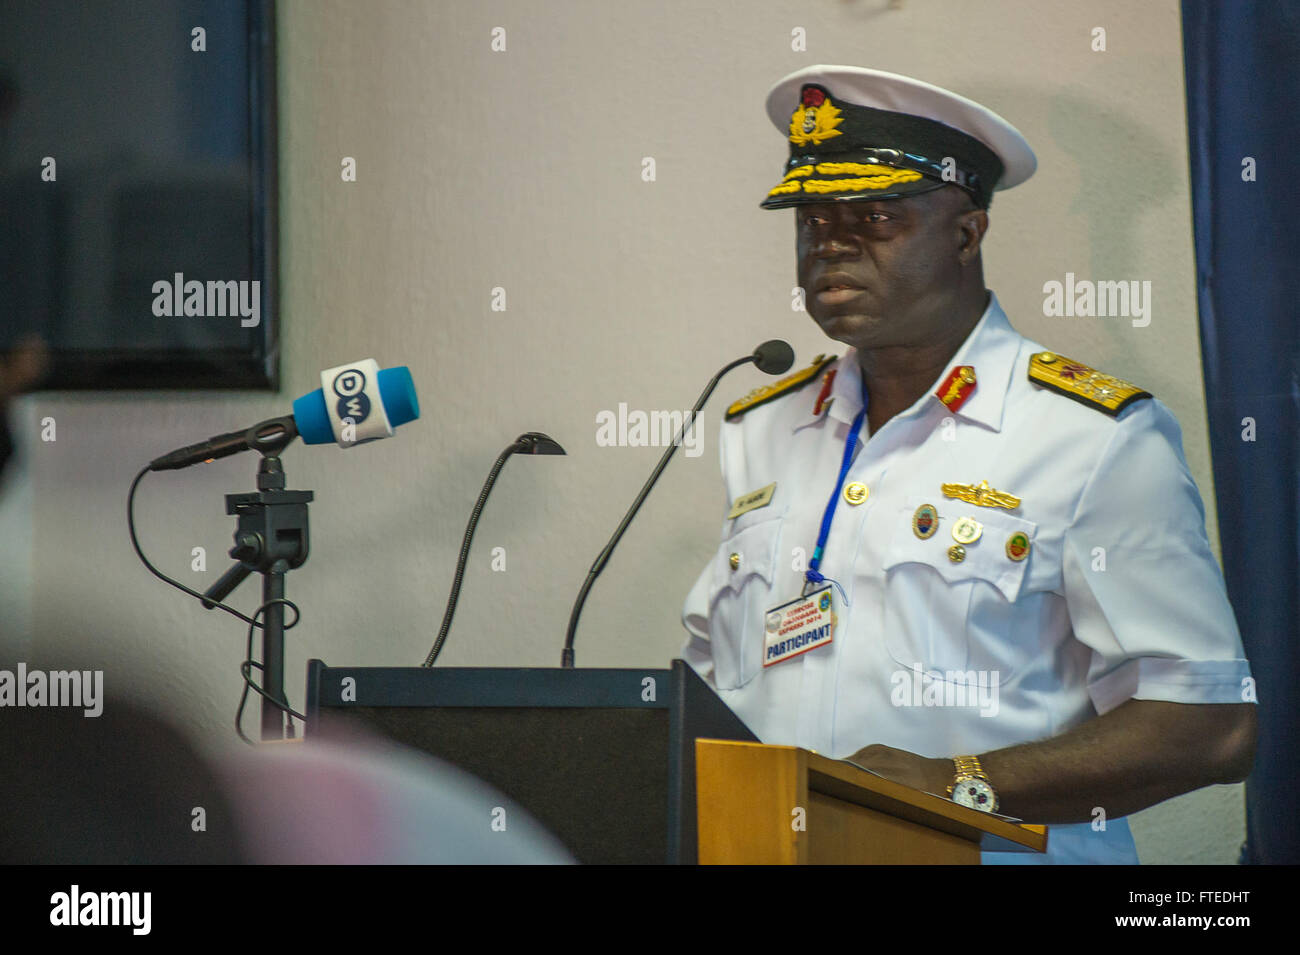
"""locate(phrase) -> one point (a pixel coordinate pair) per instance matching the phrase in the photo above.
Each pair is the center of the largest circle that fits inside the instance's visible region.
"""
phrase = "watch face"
(976, 794)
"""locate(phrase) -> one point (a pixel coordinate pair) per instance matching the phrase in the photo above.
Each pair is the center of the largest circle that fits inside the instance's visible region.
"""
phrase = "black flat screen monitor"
(137, 191)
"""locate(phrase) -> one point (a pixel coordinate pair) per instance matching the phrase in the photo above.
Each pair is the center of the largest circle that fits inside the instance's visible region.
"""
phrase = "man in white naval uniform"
(1026, 611)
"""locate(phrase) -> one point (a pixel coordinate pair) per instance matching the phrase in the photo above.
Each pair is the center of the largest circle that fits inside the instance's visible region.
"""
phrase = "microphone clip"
(272, 436)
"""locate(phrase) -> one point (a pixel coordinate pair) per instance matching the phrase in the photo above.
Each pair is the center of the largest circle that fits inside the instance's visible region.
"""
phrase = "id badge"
(799, 626)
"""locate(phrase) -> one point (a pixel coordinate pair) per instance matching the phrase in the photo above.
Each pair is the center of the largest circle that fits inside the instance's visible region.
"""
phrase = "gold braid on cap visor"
(870, 177)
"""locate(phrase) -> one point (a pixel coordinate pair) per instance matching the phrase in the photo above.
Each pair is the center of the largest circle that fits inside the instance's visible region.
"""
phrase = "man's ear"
(971, 226)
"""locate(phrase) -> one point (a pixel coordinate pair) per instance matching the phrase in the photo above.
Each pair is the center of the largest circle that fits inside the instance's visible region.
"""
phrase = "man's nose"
(837, 236)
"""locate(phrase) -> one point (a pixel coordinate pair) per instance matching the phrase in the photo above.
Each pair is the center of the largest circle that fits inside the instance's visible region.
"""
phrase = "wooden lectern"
(774, 805)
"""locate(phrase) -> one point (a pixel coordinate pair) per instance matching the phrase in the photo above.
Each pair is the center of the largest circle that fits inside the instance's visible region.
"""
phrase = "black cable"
(245, 668)
(130, 523)
(464, 553)
(246, 671)
(243, 699)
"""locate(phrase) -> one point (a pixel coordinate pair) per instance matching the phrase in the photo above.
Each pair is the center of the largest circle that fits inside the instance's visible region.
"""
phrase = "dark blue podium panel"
(605, 759)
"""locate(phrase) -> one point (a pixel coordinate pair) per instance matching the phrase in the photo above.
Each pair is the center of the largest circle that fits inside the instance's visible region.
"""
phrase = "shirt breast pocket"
(956, 616)
(744, 569)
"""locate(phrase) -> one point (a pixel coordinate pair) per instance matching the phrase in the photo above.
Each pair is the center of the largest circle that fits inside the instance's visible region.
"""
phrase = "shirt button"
(734, 560)
(856, 492)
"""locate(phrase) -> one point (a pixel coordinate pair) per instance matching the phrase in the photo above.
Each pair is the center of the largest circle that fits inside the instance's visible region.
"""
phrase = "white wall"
(522, 170)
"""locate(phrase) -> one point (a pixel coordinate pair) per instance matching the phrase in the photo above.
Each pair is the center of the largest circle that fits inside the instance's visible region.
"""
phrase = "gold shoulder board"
(1085, 385)
(761, 396)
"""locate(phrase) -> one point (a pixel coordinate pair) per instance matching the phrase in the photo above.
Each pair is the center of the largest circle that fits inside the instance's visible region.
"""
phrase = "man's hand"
(927, 775)
(1140, 753)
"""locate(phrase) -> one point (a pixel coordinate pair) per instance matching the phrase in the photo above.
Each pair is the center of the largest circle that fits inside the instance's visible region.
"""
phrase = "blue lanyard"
(813, 575)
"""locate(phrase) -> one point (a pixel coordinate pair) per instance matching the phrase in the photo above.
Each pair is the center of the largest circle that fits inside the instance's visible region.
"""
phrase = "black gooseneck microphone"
(533, 442)
(772, 358)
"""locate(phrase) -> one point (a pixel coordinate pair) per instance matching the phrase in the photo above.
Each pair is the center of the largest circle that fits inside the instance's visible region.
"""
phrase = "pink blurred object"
(369, 801)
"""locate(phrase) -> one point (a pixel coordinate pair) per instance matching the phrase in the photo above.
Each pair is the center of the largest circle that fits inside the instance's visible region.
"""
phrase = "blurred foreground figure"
(125, 787)
(372, 802)
(119, 788)
(21, 369)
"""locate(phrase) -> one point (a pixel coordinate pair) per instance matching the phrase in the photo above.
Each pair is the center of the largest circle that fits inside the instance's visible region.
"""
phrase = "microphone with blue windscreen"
(357, 402)
(319, 420)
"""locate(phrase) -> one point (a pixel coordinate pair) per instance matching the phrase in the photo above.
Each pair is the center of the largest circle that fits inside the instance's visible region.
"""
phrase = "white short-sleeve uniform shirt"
(1119, 597)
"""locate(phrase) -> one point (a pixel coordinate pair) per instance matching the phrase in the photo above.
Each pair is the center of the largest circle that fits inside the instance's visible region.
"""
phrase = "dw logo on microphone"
(354, 402)
(350, 385)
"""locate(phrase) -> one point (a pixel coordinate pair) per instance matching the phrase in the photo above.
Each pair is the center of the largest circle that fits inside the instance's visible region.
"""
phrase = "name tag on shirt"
(798, 626)
(752, 501)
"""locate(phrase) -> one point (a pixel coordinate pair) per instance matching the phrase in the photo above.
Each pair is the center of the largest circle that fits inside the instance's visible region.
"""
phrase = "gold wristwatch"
(972, 788)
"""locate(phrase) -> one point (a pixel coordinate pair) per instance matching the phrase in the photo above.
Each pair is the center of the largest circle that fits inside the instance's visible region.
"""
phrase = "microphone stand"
(271, 538)
(566, 658)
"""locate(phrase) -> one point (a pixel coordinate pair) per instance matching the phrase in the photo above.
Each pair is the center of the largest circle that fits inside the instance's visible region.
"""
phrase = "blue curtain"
(1242, 62)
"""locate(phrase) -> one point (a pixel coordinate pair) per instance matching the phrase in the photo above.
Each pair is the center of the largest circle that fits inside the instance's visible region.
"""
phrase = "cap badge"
(815, 119)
